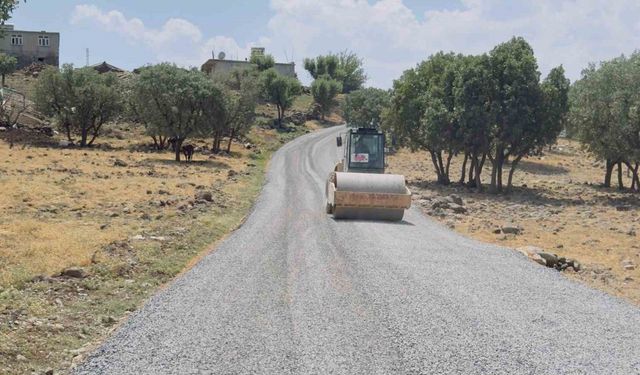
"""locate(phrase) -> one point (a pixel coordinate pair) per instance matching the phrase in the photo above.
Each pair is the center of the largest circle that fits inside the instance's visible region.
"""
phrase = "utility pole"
(87, 52)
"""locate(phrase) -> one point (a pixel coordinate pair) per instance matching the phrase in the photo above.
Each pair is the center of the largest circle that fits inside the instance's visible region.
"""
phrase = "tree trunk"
(178, 147)
(436, 159)
(620, 181)
(280, 115)
(472, 169)
(478, 172)
(608, 173)
(155, 142)
(514, 164)
(500, 165)
(446, 171)
(3, 80)
(67, 129)
(463, 174)
(635, 181)
(230, 140)
(443, 173)
(83, 139)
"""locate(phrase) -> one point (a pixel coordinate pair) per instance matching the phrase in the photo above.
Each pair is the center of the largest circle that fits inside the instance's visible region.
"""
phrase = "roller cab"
(358, 187)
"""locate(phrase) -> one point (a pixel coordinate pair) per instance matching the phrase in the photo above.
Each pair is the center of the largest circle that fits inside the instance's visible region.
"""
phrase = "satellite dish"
(221, 56)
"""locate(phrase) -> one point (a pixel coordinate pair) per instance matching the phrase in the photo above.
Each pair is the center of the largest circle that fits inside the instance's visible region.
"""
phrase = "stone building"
(222, 65)
(30, 46)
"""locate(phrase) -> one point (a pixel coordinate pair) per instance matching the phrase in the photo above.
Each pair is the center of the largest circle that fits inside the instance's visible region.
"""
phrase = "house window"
(43, 41)
(16, 39)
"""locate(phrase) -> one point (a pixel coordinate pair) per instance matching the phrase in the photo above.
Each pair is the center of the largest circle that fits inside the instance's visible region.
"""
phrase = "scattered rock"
(440, 203)
(205, 196)
(456, 199)
(458, 209)
(120, 163)
(64, 143)
(551, 259)
(538, 259)
(75, 272)
(21, 358)
(108, 320)
(42, 278)
(2, 129)
(511, 229)
(628, 265)
(158, 238)
(138, 237)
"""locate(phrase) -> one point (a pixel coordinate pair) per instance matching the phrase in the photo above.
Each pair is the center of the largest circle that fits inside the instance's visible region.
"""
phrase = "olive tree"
(324, 93)
(279, 90)
(489, 107)
(363, 108)
(262, 62)
(235, 116)
(605, 114)
(80, 100)
(174, 102)
(344, 67)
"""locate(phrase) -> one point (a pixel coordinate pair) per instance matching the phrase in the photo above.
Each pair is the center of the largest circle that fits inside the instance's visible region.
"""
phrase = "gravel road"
(295, 292)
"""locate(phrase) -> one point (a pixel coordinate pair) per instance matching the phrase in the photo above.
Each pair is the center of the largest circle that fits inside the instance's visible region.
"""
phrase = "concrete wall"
(224, 66)
(30, 51)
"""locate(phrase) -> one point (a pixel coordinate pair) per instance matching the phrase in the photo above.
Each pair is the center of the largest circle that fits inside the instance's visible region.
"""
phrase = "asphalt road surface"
(295, 292)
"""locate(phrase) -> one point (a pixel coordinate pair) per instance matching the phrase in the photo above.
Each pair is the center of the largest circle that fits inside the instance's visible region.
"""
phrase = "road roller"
(358, 188)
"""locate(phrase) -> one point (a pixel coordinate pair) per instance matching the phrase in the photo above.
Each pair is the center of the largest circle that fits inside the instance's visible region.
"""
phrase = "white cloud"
(391, 37)
(177, 40)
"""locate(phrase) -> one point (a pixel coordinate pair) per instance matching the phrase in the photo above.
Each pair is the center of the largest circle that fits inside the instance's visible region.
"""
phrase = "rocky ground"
(558, 214)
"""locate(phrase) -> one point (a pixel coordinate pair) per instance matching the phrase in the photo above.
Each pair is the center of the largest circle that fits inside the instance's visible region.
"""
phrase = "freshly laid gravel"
(295, 292)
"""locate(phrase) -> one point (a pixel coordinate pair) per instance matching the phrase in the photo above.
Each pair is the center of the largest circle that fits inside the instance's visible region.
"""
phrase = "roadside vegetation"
(456, 116)
(101, 209)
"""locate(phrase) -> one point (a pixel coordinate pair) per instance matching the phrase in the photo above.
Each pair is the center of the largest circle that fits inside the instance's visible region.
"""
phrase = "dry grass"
(559, 204)
(56, 200)
(133, 228)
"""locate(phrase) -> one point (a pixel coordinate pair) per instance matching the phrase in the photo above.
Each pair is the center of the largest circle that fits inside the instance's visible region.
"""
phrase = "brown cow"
(187, 150)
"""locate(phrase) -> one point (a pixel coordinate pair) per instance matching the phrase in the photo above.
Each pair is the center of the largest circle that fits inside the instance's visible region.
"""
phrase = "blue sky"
(391, 35)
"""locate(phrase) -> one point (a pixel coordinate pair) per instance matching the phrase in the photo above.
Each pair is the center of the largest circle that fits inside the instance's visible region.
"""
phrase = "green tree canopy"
(80, 100)
(6, 9)
(239, 91)
(174, 102)
(363, 108)
(279, 90)
(489, 107)
(324, 93)
(605, 114)
(344, 67)
(262, 62)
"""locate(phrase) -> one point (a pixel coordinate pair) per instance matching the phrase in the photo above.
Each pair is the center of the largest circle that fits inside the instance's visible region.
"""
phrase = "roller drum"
(370, 196)
(370, 183)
